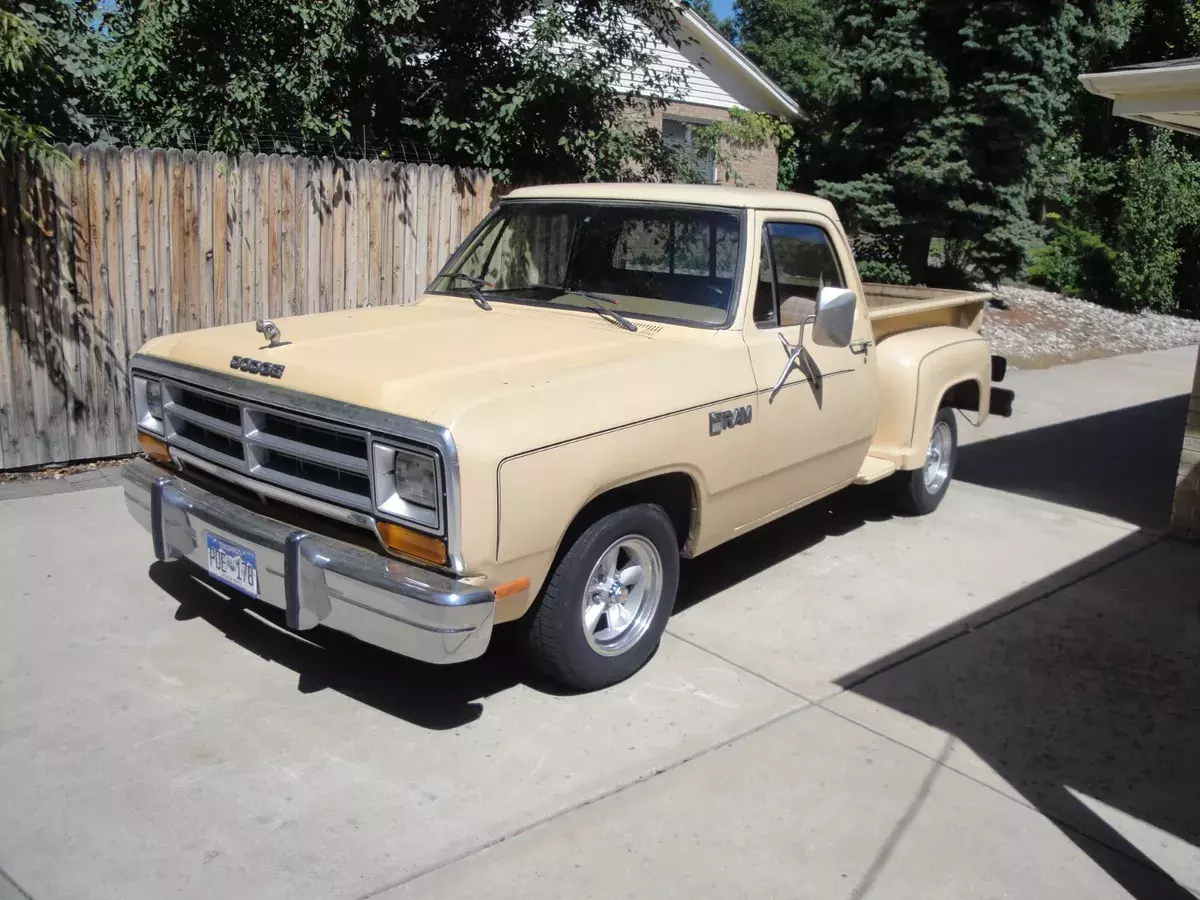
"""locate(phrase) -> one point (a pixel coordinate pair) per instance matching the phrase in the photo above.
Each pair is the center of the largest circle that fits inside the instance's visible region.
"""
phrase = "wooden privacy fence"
(121, 245)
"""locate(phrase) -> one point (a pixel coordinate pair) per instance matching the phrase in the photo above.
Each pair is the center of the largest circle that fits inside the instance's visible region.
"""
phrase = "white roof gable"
(698, 84)
(711, 71)
(714, 72)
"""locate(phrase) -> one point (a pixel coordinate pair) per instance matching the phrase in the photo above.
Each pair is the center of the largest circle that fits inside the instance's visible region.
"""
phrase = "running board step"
(873, 470)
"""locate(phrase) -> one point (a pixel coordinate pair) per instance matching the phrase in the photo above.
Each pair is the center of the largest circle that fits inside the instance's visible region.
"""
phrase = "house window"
(679, 133)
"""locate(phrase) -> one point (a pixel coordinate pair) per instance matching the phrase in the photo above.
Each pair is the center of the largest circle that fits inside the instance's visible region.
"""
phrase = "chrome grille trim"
(311, 504)
(206, 422)
(253, 419)
(387, 426)
(334, 477)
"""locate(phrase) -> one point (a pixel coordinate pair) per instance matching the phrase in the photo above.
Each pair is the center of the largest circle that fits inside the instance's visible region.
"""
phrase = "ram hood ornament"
(271, 332)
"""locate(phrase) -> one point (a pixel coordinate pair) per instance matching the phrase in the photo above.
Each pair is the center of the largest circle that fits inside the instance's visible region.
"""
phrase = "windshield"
(656, 262)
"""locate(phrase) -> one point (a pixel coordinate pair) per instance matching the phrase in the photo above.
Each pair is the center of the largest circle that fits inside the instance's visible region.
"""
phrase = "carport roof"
(1165, 93)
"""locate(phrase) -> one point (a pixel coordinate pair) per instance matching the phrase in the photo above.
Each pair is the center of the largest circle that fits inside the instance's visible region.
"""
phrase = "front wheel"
(920, 491)
(606, 604)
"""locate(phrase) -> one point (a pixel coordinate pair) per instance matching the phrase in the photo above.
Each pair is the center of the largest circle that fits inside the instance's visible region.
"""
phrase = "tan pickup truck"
(602, 380)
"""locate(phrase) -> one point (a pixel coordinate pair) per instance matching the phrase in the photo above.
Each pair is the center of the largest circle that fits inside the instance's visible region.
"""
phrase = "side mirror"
(834, 324)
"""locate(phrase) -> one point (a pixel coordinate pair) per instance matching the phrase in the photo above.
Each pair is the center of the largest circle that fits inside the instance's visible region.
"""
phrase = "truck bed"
(894, 308)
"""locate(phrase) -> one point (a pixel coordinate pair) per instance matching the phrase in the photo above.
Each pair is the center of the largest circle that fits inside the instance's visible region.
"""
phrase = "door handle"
(863, 347)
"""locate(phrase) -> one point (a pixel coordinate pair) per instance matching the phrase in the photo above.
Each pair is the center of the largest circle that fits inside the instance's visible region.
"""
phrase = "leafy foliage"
(706, 11)
(50, 70)
(522, 88)
(938, 117)
(743, 132)
(792, 40)
(878, 258)
(1127, 183)
(1075, 262)
(1161, 205)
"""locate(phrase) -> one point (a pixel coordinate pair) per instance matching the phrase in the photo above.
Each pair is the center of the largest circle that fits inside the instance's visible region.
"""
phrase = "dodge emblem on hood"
(255, 367)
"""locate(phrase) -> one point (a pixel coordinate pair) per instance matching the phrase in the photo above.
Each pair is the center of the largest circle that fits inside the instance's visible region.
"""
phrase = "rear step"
(873, 470)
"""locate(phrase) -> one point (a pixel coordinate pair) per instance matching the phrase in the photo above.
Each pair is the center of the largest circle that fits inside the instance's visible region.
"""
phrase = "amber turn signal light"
(155, 448)
(407, 542)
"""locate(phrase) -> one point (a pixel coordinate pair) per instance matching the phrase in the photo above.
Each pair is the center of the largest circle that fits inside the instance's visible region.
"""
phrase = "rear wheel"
(920, 491)
(606, 604)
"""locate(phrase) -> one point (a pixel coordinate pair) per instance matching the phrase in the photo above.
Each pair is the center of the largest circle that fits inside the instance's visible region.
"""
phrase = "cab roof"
(693, 194)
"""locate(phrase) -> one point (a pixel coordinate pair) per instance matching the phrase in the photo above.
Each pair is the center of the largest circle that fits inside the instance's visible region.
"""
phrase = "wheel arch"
(677, 491)
(920, 373)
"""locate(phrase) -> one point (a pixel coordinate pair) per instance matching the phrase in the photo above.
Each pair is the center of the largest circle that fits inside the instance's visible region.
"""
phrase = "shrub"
(1158, 211)
(1075, 262)
(878, 258)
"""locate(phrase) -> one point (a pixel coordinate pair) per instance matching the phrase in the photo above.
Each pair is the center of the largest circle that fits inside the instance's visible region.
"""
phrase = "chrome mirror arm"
(794, 353)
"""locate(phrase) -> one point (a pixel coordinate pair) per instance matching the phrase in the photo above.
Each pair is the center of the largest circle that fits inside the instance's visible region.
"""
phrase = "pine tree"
(790, 40)
(939, 114)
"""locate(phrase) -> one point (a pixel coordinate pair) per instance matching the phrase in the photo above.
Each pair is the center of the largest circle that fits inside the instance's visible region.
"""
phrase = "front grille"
(302, 454)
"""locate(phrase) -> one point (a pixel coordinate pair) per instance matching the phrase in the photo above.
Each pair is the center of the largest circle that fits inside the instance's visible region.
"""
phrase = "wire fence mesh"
(117, 131)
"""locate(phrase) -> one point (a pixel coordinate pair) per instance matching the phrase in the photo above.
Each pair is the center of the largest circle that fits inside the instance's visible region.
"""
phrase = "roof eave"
(1148, 80)
(776, 100)
(1166, 95)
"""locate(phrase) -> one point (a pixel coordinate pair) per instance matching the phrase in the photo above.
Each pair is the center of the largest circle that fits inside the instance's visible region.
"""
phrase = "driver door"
(816, 429)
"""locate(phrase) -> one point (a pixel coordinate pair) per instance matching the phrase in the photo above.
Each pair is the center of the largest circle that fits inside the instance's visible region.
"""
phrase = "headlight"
(148, 403)
(154, 398)
(408, 485)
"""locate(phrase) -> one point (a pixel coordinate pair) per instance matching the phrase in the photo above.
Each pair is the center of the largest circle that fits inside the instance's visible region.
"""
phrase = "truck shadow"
(445, 697)
(750, 554)
(433, 697)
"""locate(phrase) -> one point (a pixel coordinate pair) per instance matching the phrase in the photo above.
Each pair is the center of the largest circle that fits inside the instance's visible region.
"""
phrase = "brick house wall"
(757, 167)
(1185, 518)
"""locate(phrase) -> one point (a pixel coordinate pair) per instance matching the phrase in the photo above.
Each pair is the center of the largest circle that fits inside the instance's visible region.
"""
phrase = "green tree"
(792, 41)
(519, 87)
(1161, 206)
(1127, 182)
(706, 11)
(938, 118)
(51, 64)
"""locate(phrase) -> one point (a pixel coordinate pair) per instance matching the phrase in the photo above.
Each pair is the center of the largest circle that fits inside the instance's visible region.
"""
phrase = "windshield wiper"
(474, 283)
(590, 295)
(608, 314)
(563, 289)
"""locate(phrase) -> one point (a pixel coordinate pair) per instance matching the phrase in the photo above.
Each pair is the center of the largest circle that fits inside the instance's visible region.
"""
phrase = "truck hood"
(430, 361)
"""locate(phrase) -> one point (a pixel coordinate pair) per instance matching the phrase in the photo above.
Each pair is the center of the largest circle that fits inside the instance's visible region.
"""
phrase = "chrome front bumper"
(317, 580)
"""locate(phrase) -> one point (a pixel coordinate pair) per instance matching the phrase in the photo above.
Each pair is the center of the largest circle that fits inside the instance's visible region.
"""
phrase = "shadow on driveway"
(1120, 464)
(429, 696)
(1089, 694)
(444, 697)
(1083, 696)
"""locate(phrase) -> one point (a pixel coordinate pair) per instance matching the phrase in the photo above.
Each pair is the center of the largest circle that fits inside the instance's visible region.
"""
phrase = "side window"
(798, 260)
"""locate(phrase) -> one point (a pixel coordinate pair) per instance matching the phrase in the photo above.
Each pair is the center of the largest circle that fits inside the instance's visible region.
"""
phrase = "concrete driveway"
(999, 700)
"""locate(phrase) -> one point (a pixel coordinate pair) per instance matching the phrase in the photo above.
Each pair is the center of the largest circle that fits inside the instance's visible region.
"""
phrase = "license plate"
(233, 565)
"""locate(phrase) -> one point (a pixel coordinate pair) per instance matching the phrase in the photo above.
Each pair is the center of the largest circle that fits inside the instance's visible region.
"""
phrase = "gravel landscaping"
(1041, 329)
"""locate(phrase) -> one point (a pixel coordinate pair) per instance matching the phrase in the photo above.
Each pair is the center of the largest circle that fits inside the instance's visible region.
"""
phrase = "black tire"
(913, 494)
(557, 642)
